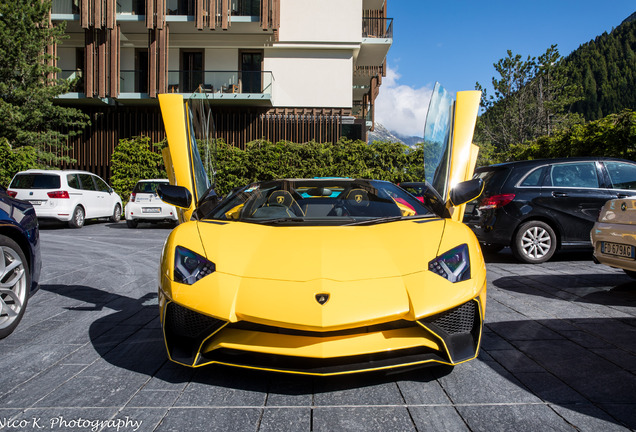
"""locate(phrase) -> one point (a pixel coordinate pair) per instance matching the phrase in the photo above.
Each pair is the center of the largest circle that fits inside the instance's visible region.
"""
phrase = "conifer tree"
(28, 86)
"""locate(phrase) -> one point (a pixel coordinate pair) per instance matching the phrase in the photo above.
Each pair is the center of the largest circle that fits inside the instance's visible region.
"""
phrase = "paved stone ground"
(558, 354)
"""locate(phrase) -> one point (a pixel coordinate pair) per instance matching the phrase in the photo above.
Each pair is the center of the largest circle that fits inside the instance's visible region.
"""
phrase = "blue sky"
(456, 43)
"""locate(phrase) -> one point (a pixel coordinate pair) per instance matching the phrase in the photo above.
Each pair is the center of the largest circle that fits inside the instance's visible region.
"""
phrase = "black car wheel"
(15, 282)
(131, 223)
(116, 217)
(534, 242)
(77, 221)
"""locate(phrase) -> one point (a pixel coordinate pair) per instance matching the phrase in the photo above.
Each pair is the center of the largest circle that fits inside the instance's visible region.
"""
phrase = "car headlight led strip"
(190, 267)
(453, 265)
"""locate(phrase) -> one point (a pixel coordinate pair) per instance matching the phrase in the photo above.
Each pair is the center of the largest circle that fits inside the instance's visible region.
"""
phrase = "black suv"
(539, 206)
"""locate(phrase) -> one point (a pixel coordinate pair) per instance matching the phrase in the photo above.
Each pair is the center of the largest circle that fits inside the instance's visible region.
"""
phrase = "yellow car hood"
(308, 253)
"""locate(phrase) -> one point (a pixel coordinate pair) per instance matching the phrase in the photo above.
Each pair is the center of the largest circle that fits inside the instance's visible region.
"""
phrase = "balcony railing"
(131, 7)
(75, 75)
(133, 81)
(220, 82)
(66, 7)
(377, 28)
(180, 7)
(362, 111)
(246, 7)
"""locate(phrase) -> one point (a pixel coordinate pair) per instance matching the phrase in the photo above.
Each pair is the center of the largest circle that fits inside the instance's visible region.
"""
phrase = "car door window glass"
(101, 184)
(87, 182)
(73, 181)
(534, 178)
(575, 175)
(622, 175)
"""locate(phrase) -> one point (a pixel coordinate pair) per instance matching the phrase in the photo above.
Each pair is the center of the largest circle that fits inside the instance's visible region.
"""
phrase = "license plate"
(617, 249)
(151, 209)
(36, 202)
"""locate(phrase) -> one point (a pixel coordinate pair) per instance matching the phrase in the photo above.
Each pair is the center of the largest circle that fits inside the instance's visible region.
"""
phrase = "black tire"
(14, 299)
(630, 273)
(491, 248)
(116, 217)
(78, 218)
(131, 223)
(535, 242)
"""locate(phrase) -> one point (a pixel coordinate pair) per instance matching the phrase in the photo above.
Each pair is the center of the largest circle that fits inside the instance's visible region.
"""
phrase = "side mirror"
(176, 195)
(466, 191)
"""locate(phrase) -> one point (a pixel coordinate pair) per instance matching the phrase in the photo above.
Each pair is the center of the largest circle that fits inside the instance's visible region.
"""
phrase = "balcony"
(222, 85)
(76, 76)
(131, 7)
(133, 81)
(65, 9)
(377, 37)
(246, 7)
(180, 7)
(377, 28)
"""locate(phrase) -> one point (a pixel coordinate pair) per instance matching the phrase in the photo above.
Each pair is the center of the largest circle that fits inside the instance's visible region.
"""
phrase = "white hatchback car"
(146, 206)
(614, 235)
(66, 195)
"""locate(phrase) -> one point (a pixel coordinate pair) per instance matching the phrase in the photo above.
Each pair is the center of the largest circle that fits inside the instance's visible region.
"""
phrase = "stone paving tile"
(286, 419)
(437, 418)
(210, 419)
(362, 419)
(513, 418)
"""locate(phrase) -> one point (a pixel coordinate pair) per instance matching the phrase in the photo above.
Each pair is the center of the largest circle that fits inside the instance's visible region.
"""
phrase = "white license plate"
(617, 249)
(36, 202)
(151, 209)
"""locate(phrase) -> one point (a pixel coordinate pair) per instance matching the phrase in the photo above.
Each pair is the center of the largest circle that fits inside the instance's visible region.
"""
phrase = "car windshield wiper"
(376, 220)
(277, 220)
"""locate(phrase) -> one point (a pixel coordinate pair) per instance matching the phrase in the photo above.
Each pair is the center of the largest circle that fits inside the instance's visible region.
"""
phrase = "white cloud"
(401, 108)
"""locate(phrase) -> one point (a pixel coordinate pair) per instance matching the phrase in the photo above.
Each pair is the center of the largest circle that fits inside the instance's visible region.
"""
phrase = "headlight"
(453, 265)
(189, 267)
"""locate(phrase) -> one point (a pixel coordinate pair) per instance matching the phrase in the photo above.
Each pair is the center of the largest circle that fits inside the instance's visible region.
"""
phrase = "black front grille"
(185, 330)
(458, 320)
(187, 323)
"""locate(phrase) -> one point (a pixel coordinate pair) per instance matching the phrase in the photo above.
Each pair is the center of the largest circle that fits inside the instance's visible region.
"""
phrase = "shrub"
(14, 161)
(133, 160)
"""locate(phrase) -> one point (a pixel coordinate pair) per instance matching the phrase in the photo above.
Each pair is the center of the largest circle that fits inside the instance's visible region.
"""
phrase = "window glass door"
(251, 66)
(191, 70)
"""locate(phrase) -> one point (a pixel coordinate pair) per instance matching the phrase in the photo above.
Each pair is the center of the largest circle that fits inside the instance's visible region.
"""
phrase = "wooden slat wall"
(94, 147)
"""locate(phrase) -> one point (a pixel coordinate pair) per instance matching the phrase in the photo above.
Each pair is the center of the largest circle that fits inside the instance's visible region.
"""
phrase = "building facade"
(296, 70)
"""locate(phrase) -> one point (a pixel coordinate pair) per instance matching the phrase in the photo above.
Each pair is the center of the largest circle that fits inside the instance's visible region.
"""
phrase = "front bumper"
(450, 337)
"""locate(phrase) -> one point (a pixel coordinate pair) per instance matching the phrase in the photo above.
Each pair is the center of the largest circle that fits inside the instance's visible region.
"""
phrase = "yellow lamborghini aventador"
(324, 276)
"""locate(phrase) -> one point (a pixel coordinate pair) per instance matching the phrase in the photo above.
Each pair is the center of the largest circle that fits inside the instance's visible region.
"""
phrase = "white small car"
(614, 235)
(146, 206)
(66, 195)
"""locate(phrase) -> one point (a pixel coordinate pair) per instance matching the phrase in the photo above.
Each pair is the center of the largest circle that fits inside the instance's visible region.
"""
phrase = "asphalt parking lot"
(559, 353)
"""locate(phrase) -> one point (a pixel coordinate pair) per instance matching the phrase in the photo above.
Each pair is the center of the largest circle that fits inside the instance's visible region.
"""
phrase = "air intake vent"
(458, 320)
(184, 322)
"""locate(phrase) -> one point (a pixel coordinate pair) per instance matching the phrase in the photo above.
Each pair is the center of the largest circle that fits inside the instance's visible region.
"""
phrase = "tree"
(532, 97)
(28, 116)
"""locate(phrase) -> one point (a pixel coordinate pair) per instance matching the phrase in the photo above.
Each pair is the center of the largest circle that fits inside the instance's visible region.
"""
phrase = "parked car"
(20, 261)
(614, 235)
(67, 195)
(322, 276)
(537, 207)
(145, 206)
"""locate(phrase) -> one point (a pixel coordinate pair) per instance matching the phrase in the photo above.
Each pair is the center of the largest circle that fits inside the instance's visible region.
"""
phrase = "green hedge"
(133, 160)
(13, 161)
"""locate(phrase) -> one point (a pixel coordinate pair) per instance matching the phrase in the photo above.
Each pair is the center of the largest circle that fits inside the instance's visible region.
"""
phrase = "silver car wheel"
(536, 242)
(13, 286)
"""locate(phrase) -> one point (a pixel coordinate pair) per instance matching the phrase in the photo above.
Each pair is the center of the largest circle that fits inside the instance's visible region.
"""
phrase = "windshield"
(319, 202)
(149, 187)
(437, 132)
(35, 181)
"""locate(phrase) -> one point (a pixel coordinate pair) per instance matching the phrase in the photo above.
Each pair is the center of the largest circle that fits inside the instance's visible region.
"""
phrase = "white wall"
(320, 21)
(310, 78)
